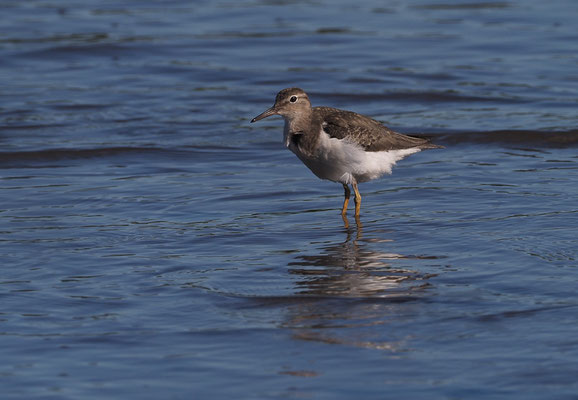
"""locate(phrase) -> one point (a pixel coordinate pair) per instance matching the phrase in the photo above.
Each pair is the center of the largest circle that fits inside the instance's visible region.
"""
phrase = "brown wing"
(368, 133)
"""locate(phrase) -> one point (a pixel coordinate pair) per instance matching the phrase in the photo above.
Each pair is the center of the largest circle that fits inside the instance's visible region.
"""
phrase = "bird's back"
(366, 132)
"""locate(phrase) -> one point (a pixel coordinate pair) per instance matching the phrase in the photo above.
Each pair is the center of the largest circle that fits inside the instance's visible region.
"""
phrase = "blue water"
(155, 244)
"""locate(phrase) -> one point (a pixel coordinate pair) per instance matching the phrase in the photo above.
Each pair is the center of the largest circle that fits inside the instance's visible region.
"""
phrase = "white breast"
(345, 162)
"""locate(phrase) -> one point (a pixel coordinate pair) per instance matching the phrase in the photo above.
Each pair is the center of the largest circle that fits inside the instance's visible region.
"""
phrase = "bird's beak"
(265, 114)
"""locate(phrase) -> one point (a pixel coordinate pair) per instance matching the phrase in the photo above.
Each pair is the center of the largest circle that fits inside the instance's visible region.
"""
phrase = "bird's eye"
(293, 99)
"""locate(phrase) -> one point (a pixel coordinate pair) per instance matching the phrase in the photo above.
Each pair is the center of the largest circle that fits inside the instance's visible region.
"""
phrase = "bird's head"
(289, 104)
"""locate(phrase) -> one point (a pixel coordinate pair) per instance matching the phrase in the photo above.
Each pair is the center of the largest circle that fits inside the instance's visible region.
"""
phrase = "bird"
(338, 145)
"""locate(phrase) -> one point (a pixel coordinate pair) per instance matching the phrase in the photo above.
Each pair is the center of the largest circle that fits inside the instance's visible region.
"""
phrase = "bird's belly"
(340, 161)
(323, 168)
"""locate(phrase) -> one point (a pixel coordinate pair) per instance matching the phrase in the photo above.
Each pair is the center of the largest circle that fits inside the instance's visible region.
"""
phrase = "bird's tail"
(430, 145)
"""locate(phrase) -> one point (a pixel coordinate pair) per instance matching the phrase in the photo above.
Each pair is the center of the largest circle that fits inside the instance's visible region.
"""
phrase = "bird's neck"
(300, 123)
(301, 132)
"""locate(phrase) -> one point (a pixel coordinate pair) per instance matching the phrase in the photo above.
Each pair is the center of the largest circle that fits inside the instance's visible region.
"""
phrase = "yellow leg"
(357, 199)
(346, 200)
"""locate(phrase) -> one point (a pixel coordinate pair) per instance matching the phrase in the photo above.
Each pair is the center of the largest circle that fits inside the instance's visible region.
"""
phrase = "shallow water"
(155, 244)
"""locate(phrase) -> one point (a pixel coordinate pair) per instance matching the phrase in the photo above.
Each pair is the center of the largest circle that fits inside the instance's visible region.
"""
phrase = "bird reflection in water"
(350, 285)
(352, 269)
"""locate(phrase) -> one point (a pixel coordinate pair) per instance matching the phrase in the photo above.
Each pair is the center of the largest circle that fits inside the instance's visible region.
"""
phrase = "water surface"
(155, 244)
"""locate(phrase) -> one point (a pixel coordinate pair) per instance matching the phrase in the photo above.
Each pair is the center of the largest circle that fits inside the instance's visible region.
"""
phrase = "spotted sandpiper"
(341, 146)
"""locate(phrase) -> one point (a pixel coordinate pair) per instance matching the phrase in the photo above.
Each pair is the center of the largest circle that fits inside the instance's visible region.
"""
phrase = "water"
(156, 245)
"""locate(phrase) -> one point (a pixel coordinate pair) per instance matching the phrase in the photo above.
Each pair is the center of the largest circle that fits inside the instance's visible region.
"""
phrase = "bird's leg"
(346, 200)
(357, 199)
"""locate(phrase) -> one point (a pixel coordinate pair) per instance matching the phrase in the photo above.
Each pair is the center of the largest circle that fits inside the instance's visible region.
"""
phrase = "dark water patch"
(545, 139)
(83, 52)
(70, 38)
(422, 97)
(88, 107)
(324, 300)
(465, 6)
(328, 30)
(73, 154)
(29, 127)
(138, 11)
(247, 35)
(528, 313)
(368, 80)
(10, 158)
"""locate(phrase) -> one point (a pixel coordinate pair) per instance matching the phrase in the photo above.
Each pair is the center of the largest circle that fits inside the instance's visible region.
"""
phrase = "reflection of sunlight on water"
(353, 293)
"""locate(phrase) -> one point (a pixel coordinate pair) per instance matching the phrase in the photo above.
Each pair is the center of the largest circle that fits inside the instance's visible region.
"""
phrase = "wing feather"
(368, 133)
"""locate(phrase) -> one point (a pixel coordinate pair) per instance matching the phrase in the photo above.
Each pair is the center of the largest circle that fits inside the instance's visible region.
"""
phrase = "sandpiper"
(341, 146)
